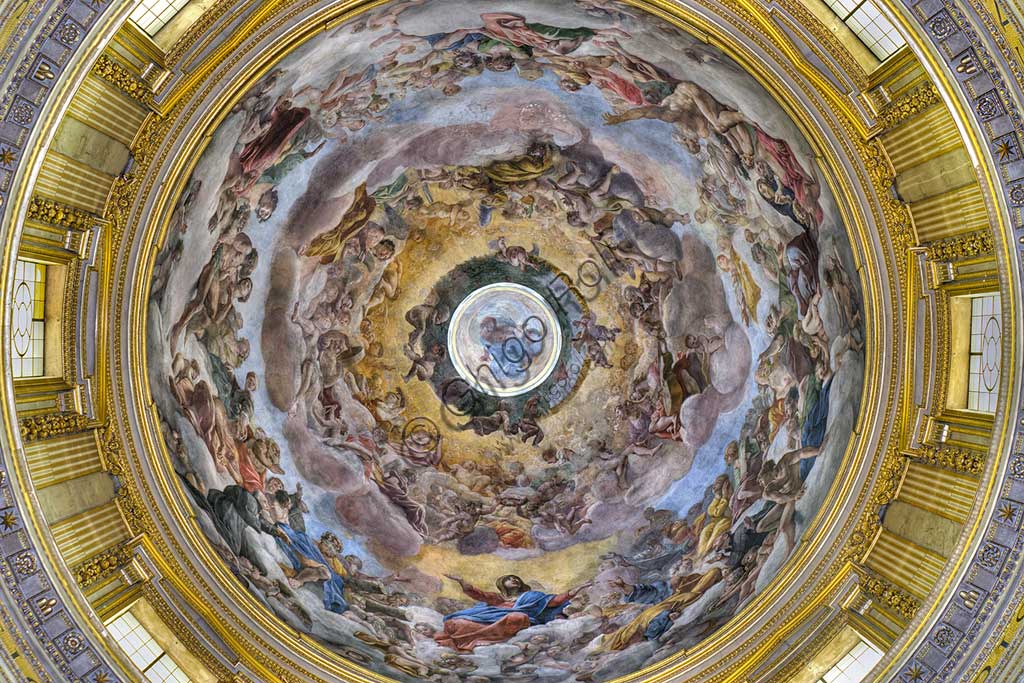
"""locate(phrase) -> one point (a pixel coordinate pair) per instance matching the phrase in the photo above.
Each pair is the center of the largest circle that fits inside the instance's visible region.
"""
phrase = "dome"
(552, 302)
(552, 340)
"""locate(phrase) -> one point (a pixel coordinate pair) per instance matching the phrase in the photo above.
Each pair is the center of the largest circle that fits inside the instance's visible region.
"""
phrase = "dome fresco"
(506, 342)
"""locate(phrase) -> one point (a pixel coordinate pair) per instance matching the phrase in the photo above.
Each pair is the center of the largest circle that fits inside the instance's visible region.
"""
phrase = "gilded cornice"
(827, 40)
(759, 29)
(1005, 25)
(909, 105)
(951, 458)
(183, 633)
(126, 187)
(882, 492)
(197, 30)
(70, 345)
(120, 77)
(895, 599)
(890, 476)
(128, 500)
(105, 564)
(861, 538)
(38, 427)
(119, 204)
(960, 247)
(829, 626)
(55, 213)
(899, 222)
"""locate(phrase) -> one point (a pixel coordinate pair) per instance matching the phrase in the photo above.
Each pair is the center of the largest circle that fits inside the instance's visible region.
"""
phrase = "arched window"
(28, 325)
(984, 354)
(870, 25)
(153, 15)
(144, 652)
(855, 666)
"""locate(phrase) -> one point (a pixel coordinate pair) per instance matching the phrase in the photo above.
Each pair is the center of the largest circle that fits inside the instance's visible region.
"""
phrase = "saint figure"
(499, 616)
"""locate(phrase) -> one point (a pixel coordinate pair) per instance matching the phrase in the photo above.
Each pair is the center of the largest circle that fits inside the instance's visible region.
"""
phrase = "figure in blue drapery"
(534, 604)
(813, 432)
(659, 625)
(499, 616)
(312, 561)
(647, 593)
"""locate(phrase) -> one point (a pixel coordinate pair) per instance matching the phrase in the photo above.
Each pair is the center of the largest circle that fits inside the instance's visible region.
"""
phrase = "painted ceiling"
(506, 342)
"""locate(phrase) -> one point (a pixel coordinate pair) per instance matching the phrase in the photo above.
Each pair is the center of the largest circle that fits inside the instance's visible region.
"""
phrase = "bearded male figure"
(499, 616)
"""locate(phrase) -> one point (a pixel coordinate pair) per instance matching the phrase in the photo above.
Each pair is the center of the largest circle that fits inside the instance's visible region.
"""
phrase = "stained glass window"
(28, 327)
(144, 652)
(985, 353)
(871, 26)
(153, 15)
(855, 666)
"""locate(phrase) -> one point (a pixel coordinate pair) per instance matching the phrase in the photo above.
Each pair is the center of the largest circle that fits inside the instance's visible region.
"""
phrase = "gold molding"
(105, 563)
(899, 221)
(70, 341)
(891, 472)
(194, 32)
(830, 626)
(149, 144)
(185, 635)
(828, 40)
(46, 426)
(961, 247)
(129, 502)
(120, 77)
(952, 458)
(55, 213)
(908, 106)
(897, 600)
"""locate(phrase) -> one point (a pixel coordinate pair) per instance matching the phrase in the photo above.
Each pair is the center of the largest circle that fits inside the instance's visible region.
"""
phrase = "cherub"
(783, 485)
(514, 256)
(499, 420)
(223, 280)
(430, 313)
(592, 337)
(527, 425)
(423, 364)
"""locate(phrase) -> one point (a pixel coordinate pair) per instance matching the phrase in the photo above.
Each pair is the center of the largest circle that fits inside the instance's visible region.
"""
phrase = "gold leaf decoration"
(39, 427)
(899, 601)
(908, 106)
(950, 458)
(120, 77)
(104, 564)
(55, 213)
(965, 246)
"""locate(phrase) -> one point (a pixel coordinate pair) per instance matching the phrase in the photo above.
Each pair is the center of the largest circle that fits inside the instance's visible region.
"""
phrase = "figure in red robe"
(265, 150)
(805, 187)
(499, 616)
(513, 29)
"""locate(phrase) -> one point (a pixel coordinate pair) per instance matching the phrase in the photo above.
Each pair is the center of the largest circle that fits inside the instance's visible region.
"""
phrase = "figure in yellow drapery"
(750, 288)
(330, 245)
(532, 165)
(748, 293)
(687, 590)
(718, 518)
